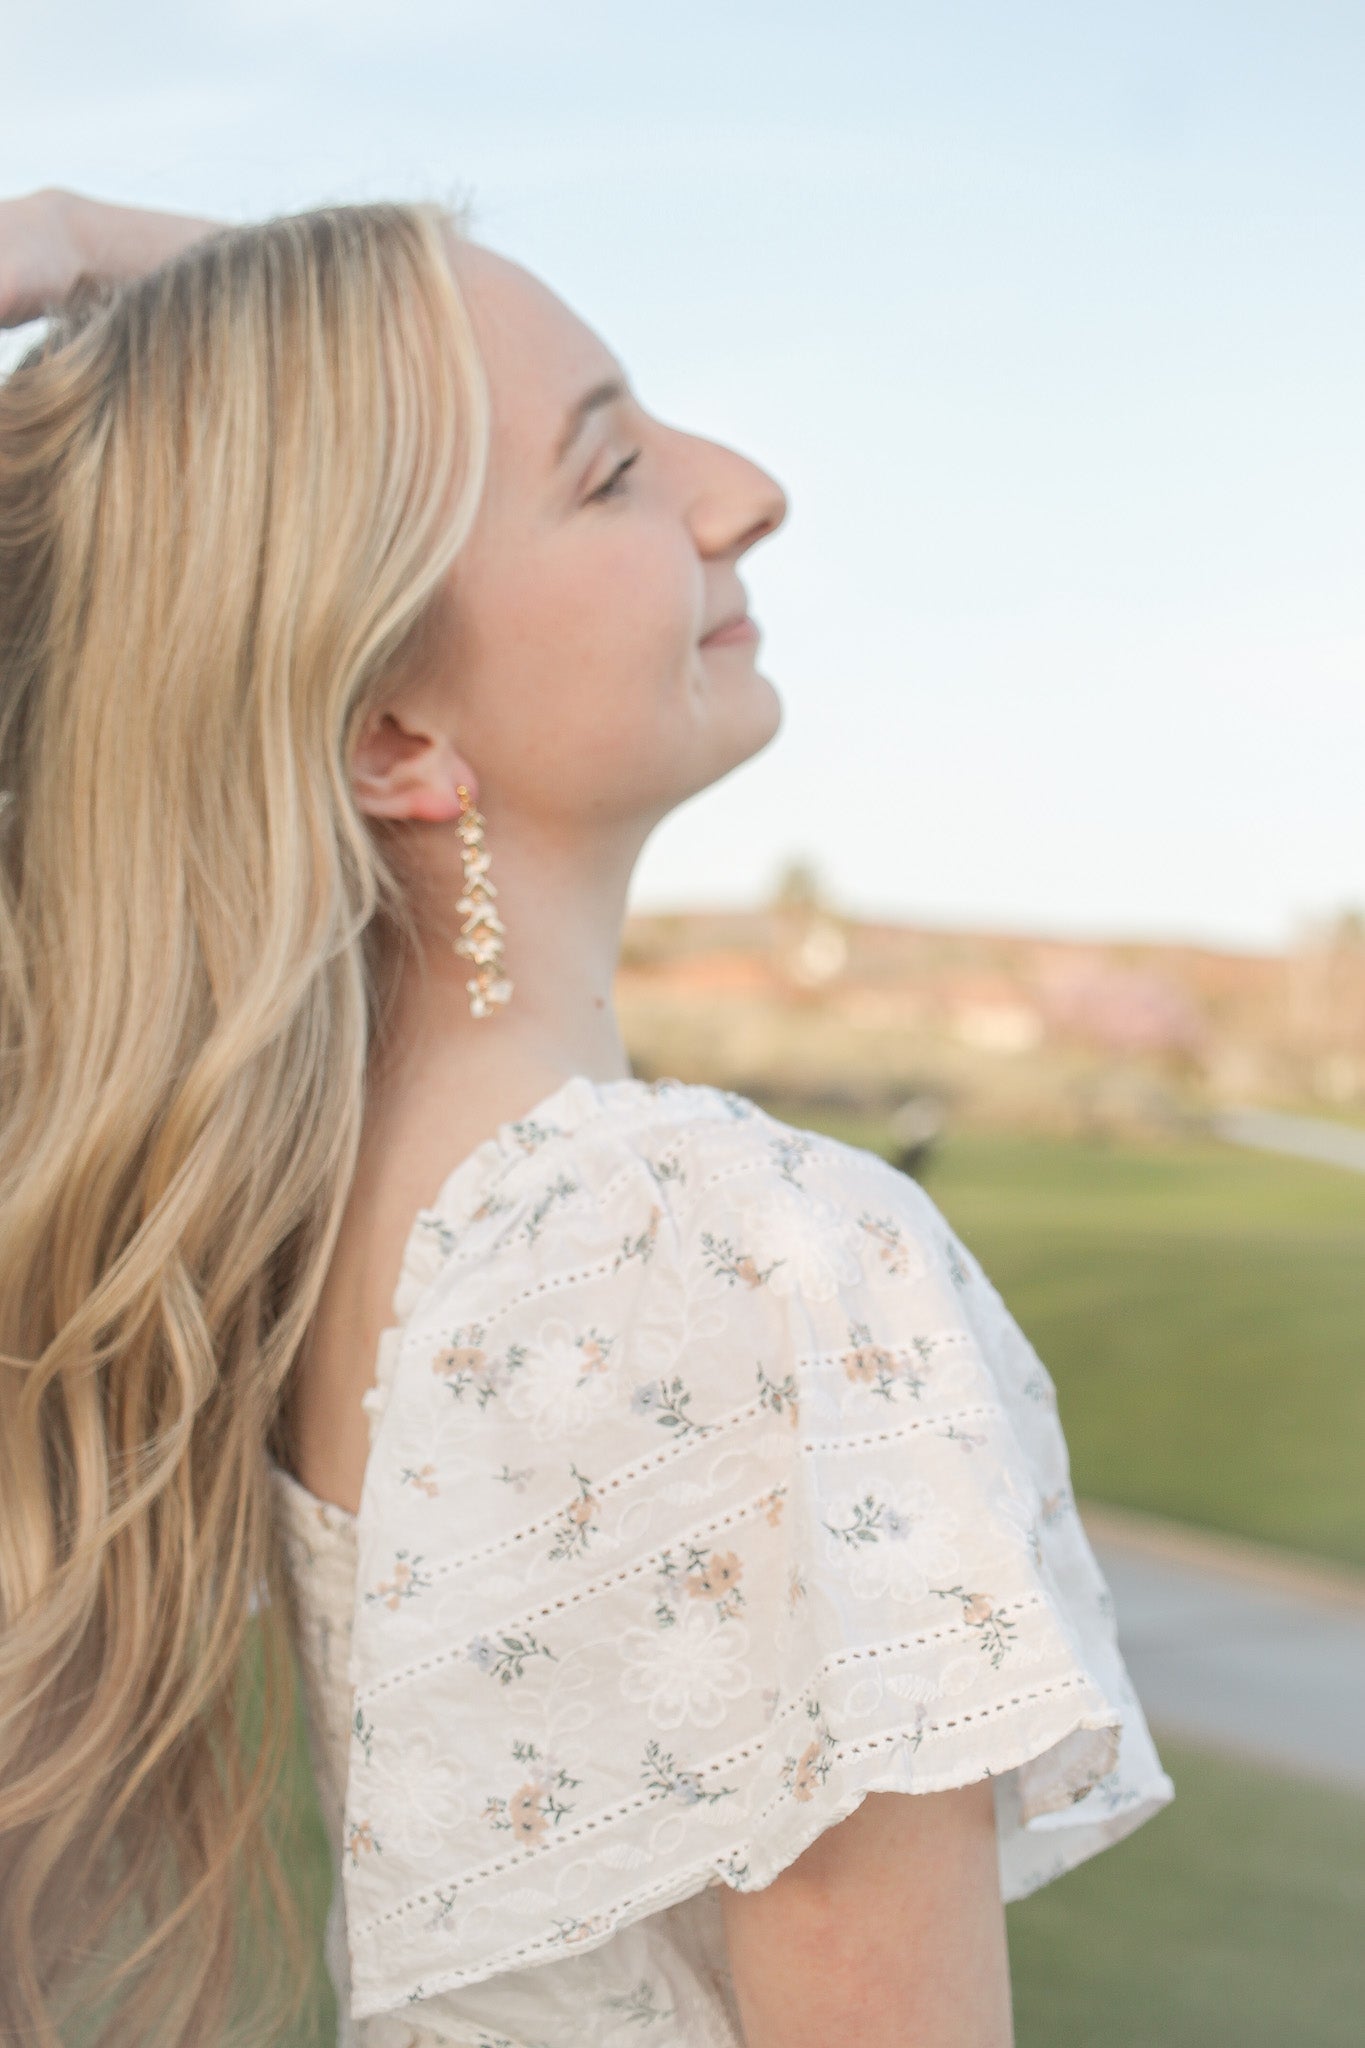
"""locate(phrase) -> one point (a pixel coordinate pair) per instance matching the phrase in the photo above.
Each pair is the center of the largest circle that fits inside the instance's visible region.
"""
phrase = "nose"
(735, 502)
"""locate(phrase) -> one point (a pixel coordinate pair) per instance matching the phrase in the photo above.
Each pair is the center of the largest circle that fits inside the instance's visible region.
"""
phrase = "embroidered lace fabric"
(711, 1487)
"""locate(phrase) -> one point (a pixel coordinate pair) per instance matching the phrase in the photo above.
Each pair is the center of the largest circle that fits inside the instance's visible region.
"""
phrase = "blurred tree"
(797, 887)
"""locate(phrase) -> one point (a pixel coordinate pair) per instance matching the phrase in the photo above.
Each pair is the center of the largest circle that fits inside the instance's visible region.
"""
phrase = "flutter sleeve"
(744, 1497)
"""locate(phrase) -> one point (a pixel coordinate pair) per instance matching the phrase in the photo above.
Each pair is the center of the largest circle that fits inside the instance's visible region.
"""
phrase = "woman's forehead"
(539, 355)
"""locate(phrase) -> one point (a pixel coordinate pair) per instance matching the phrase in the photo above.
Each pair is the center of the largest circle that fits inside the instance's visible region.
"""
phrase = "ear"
(405, 771)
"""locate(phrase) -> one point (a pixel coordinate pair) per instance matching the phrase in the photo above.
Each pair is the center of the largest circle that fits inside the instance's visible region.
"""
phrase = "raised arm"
(51, 239)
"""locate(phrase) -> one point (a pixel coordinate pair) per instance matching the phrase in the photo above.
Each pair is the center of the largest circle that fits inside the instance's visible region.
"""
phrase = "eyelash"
(610, 488)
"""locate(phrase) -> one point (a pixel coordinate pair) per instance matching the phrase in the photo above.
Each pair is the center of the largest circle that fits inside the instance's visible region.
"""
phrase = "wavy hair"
(228, 492)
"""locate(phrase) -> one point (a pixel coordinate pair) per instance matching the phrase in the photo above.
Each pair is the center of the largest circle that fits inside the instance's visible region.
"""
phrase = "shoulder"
(766, 1202)
(687, 1206)
(675, 1169)
(704, 1146)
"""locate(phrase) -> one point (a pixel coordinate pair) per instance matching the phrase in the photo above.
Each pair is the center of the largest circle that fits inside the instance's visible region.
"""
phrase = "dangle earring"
(481, 933)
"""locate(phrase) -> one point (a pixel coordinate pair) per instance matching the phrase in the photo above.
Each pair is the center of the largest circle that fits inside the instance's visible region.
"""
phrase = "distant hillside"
(797, 997)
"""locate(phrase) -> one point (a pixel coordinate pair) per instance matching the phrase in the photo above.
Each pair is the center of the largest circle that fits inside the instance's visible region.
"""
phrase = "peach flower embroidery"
(407, 1581)
(423, 1477)
(360, 1839)
(575, 1523)
(723, 1572)
(804, 1773)
(772, 1505)
(732, 1265)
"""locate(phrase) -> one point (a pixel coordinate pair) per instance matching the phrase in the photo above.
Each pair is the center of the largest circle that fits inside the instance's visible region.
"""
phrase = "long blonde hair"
(228, 492)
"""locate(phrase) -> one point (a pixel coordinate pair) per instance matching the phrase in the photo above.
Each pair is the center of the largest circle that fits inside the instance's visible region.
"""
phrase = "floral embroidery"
(463, 1365)
(574, 1526)
(979, 1612)
(686, 1672)
(563, 1381)
(517, 1480)
(661, 1774)
(719, 1581)
(739, 1106)
(960, 1275)
(970, 1439)
(641, 1246)
(666, 1401)
(559, 1190)
(870, 1521)
(734, 1871)
(801, 1774)
(407, 1582)
(528, 1812)
(506, 1657)
(360, 1840)
(888, 1236)
(573, 1930)
(732, 1265)
(531, 1135)
(879, 1370)
(638, 2004)
(791, 1152)
(364, 1732)
(433, 1225)
(780, 1395)
(706, 1575)
(595, 1349)
(772, 1505)
(423, 1478)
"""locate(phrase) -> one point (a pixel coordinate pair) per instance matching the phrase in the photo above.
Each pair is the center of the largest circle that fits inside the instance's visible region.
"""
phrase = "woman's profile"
(652, 1493)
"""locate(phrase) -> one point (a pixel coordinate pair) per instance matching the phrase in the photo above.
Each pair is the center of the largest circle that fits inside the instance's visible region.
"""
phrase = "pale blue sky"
(1050, 319)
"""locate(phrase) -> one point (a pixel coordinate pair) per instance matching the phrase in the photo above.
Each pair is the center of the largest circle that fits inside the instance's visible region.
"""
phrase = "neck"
(563, 908)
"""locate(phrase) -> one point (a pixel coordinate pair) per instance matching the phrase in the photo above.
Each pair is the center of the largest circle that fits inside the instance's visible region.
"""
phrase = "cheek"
(600, 635)
(622, 607)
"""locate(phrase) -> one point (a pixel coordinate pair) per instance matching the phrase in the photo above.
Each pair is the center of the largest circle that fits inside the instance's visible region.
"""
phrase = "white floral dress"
(711, 1486)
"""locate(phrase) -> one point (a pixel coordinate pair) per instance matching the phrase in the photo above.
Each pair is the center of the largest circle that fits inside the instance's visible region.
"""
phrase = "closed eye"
(611, 488)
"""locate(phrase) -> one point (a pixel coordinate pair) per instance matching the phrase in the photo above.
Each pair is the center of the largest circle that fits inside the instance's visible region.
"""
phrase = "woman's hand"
(51, 239)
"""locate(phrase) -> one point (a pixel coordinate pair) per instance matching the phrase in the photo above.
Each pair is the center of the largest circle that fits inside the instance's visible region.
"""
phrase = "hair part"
(228, 493)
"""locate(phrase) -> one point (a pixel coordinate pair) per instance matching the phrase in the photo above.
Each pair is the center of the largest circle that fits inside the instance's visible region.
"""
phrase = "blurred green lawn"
(1202, 1311)
(1231, 1919)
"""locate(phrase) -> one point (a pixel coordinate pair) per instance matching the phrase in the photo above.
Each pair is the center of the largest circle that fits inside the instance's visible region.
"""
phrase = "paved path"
(1238, 1645)
(1304, 1137)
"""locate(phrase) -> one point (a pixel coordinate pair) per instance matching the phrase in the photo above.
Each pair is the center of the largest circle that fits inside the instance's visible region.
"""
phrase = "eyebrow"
(607, 393)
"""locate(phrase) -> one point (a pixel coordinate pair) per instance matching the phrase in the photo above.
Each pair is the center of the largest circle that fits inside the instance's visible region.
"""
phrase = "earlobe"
(401, 774)
(406, 797)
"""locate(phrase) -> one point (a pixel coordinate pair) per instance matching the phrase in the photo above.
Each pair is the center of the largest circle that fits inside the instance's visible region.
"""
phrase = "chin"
(762, 718)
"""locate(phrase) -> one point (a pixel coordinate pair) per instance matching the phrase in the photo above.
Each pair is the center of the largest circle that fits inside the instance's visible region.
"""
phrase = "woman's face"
(570, 666)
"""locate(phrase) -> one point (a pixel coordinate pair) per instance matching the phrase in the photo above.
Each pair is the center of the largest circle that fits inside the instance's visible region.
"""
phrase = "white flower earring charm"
(481, 934)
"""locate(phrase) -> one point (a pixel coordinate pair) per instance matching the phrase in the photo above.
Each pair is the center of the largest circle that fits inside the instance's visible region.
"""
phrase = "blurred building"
(797, 998)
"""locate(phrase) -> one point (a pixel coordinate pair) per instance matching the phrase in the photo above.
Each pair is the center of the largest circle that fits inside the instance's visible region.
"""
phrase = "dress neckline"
(569, 1105)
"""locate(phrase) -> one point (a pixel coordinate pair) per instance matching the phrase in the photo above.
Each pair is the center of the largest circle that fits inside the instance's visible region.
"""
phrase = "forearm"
(50, 240)
(117, 242)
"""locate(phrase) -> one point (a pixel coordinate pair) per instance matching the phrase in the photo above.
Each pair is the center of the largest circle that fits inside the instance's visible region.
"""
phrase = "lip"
(742, 628)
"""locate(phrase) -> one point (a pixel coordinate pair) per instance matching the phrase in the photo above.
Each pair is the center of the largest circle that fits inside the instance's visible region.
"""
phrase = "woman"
(653, 1490)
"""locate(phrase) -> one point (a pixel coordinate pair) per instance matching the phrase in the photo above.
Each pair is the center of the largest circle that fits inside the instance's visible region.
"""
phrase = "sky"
(1050, 320)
